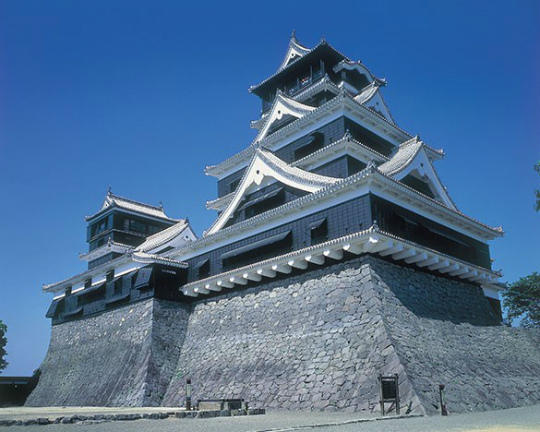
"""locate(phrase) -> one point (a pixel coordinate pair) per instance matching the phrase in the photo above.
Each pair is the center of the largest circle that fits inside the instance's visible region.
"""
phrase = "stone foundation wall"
(441, 331)
(124, 357)
(317, 340)
(312, 341)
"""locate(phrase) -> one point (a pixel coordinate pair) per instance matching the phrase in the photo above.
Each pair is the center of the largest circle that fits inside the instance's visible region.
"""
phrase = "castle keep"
(336, 255)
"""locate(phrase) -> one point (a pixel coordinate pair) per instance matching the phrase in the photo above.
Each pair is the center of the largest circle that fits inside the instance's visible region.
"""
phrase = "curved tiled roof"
(295, 49)
(112, 200)
(405, 155)
(320, 44)
(343, 98)
(156, 240)
(282, 103)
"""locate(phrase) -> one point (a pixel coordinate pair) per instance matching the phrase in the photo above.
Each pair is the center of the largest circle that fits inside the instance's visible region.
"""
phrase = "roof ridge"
(130, 200)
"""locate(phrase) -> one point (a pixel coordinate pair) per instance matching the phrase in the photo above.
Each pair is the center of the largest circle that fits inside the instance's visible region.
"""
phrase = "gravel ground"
(513, 420)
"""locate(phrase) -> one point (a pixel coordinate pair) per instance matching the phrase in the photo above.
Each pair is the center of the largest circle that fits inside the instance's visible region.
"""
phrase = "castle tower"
(120, 225)
(336, 255)
(329, 176)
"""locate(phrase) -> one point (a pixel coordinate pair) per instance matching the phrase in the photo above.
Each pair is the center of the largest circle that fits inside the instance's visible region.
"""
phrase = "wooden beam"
(356, 249)
(392, 250)
(405, 254)
(440, 264)
(212, 287)
(298, 263)
(200, 290)
(225, 283)
(428, 261)
(382, 246)
(190, 293)
(239, 280)
(316, 259)
(266, 272)
(371, 243)
(460, 271)
(336, 254)
(252, 277)
(416, 258)
(282, 268)
(449, 269)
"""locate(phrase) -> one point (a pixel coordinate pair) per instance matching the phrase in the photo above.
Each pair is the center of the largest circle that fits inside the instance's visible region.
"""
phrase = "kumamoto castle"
(336, 255)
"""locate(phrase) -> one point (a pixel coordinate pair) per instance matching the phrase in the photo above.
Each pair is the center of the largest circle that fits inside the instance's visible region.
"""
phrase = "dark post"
(188, 394)
(397, 393)
(382, 393)
(444, 412)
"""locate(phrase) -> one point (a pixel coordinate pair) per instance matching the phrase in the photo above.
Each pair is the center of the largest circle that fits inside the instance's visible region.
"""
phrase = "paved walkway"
(525, 419)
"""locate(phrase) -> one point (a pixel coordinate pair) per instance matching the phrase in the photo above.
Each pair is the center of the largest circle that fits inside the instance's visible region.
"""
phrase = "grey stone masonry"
(319, 340)
(313, 341)
(123, 357)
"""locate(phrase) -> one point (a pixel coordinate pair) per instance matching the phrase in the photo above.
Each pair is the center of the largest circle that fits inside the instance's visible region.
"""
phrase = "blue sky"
(141, 95)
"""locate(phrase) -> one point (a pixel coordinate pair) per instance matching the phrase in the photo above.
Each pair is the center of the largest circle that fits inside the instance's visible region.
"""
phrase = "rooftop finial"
(161, 205)
(109, 190)
(323, 39)
(293, 35)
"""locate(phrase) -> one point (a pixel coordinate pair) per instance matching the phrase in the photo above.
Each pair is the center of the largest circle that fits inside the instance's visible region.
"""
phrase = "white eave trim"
(372, 241)
(104, 250)
(342, 104)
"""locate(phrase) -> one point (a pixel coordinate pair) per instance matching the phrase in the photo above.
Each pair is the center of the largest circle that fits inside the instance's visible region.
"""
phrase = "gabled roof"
(371, 97)
(414, 156)
(263, 168)
(112, 200)
(345, 144)
(175, 236)
(322, 47)
(294, 51)
(343, 101)
(282, 106)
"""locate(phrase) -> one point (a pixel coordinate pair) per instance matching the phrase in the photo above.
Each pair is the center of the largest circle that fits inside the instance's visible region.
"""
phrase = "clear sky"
(141, 95)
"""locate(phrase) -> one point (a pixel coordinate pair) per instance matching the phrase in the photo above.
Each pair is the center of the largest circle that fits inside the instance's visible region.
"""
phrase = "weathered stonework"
(317, 340)
(124, 357)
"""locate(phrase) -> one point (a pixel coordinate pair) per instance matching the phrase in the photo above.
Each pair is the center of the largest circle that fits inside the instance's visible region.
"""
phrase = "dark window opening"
(418, 185)
(318, 231)
(144, 278)
(408, 225)
(264, 203)
(278, 124)
(203, 269)
(110, 276)
(354, 166)
(234, 184)
(257, 251)
(316, 143)
(368, 138)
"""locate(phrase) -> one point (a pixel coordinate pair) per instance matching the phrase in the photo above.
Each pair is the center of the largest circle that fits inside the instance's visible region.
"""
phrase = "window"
(272, 245)
(234, 184)
(264, 203)
(318, 231)
(202, 269)
(315, 143)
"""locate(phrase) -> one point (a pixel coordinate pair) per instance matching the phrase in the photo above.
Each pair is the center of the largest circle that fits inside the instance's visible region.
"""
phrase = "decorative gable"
(371, 97)
(264, 169)
(412, 165)
(294, 52)
(282, 107)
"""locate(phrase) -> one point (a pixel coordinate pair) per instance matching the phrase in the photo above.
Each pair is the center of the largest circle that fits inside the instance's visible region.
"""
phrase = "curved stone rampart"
(124, 357)
(315, 340)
